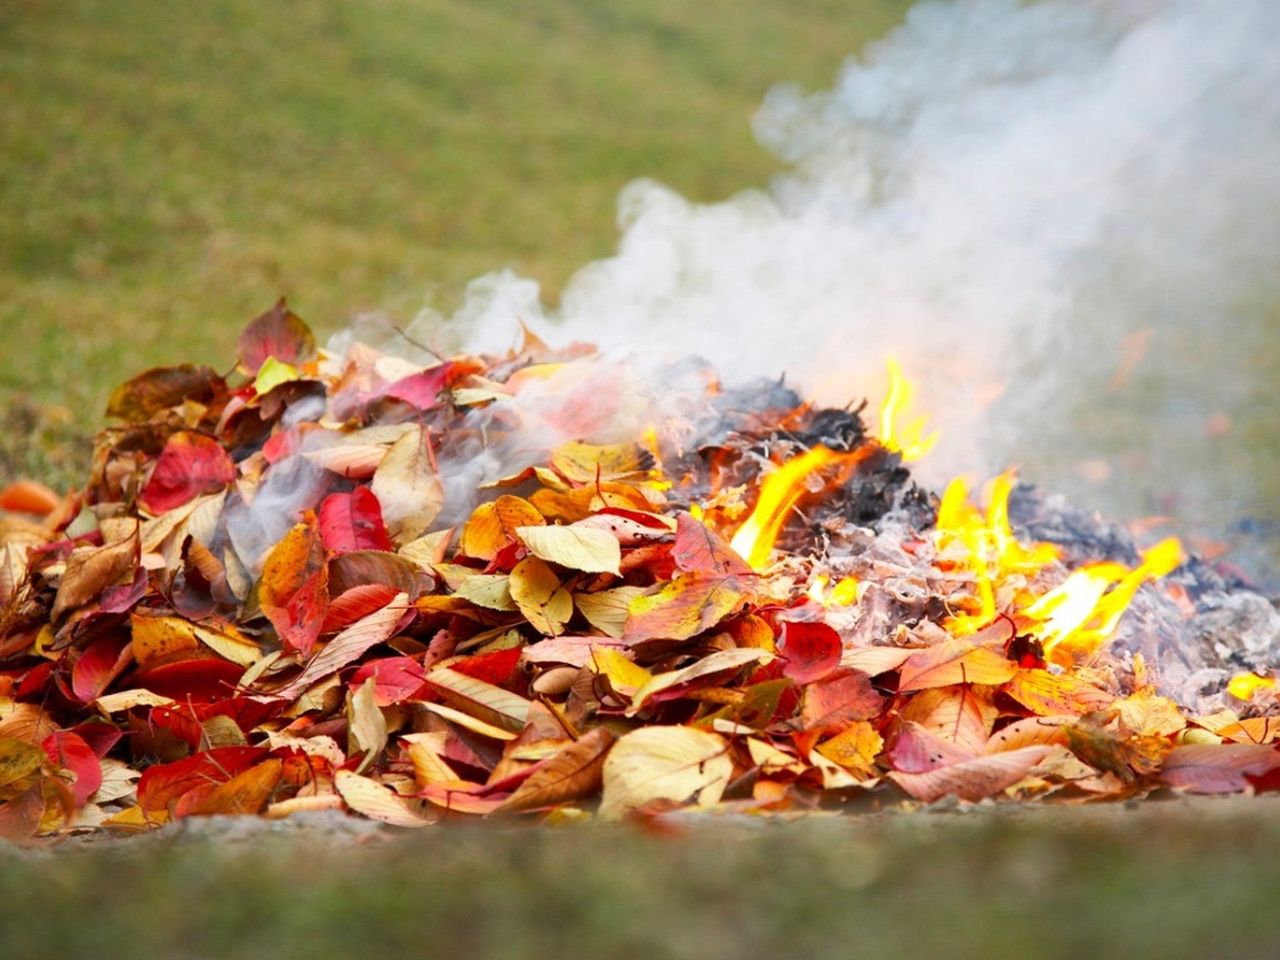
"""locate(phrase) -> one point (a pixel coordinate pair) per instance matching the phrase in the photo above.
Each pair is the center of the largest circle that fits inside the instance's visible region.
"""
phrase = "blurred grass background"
(170, 168)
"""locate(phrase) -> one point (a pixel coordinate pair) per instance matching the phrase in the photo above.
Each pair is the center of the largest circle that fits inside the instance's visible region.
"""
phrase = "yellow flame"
(778, 494)
(843, 594)
(1076, 618)
(990, 549)
(1243, 686)
(907, 438)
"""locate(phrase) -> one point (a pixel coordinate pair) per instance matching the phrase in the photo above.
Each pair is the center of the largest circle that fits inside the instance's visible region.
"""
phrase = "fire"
(991, 552)
(1074, 620)
(1243, 686)
(778, 494)
(843, 594)
(907, 438)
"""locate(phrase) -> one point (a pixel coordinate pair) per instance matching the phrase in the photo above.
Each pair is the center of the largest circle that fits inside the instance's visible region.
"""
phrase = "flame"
(843, 594)
(1243, 686)
(991, 551)
(778, 494)
(1076, 618)
(907, 438)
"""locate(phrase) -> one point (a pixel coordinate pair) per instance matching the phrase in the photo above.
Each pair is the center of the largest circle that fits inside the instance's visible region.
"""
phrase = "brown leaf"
(90, 570)
(575, 772)
(161, 388)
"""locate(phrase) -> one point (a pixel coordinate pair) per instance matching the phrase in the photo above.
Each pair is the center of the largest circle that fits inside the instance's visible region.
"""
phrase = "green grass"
(170, 168)
(1168, 880)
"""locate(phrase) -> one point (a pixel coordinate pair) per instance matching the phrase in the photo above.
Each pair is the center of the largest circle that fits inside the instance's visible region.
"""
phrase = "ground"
(169, 170)
(1174, 879)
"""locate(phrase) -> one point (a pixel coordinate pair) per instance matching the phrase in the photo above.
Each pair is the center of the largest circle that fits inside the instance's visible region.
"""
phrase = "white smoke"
(998, 194)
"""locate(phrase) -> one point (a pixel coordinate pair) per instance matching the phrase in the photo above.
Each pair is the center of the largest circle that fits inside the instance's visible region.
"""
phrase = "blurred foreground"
(1164, 879)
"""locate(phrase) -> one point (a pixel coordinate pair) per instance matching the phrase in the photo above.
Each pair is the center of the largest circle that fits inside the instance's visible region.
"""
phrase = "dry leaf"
(579, 548)
(678, 764)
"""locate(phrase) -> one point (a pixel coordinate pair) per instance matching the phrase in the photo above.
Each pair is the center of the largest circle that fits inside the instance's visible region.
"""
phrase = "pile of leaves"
(254, 607)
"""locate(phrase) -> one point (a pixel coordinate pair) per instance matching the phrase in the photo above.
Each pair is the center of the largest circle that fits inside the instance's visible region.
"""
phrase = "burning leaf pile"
(422, 590)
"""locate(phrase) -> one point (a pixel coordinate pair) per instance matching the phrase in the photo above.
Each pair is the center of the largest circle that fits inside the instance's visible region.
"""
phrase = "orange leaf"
(1048, 695)
(954, 661)
(688, 605)
(244, 793)
(294, 590)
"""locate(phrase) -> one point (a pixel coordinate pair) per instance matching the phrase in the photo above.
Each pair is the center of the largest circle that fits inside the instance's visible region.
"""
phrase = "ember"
(522, 585)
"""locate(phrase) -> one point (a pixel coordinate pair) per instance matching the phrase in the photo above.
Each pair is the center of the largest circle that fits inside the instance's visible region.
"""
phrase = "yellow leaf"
(489, 590)
(678, 764)
(366, 726)
(489, 703)
(541, 599)
(718, 662)
(373, 800)
(18, 762)
(272, 374)
(854, 748)
(1145, 713)
(408, 487)
(624, 676)
(588, 549)
(587, 462)
(155, 638)
(606, 610)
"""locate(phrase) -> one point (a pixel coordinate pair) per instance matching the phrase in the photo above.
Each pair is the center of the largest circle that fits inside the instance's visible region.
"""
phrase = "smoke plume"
(1006, 197)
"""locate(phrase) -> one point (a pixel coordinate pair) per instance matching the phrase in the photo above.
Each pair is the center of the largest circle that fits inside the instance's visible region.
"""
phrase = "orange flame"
(778, 494)
(1076, 618)
(909, 438)
(991, 551)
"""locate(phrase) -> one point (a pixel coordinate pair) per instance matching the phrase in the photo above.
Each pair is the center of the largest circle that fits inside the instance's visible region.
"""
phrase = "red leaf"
(100, 663)
(70, 752)
(353, 521)
(811, 650)
(1218, 767)
(277, 333)
(837, 699)
(206, 678)
(421, 390)
(394, 679)
(100, 737)
(189, 465)
(496, 668)
(162, 784)
(355, 604)
(697, 548)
